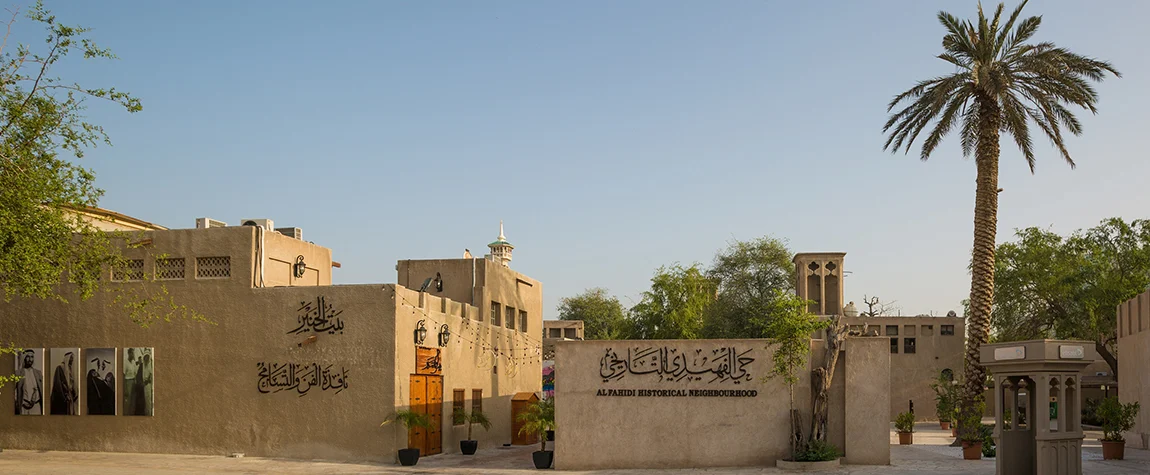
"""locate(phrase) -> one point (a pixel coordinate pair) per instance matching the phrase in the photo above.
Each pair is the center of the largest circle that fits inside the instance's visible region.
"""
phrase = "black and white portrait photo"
(65, 369)
(30, 387)
(138, 381)
(100, 381)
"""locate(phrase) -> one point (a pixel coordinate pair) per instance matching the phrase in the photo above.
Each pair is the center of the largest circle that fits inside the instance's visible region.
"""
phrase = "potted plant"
(904, 424)
(1116, 418)
(410, 420)
(972, 436)
(460, 416)
(945, 395)
(538, 419)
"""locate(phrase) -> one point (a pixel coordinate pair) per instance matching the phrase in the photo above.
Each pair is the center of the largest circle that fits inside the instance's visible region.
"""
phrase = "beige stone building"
(289, 365)
(921, 348)
(1133, 372)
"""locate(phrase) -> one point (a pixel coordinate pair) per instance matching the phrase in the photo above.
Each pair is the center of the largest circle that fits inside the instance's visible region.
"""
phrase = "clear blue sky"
(611, 137)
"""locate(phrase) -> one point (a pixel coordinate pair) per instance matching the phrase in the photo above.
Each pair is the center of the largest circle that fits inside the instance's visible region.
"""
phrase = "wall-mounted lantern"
(420, 333)
(444, 335)
(299, 267)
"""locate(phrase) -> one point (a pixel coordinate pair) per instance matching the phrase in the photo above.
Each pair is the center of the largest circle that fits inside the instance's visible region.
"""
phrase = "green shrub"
(818, 451)
(904, 422)
(1116, 418)
(988, 447)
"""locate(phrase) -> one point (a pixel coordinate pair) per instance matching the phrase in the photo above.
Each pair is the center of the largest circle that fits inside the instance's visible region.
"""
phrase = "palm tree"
(1000, 84)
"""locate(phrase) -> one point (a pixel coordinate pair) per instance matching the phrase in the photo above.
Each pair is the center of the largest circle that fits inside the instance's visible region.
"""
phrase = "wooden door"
(435, 413)
(417, 437)
(427, 398)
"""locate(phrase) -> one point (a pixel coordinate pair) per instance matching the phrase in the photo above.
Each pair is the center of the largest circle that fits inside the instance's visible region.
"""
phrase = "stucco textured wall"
(1133, 373)
(598, 427)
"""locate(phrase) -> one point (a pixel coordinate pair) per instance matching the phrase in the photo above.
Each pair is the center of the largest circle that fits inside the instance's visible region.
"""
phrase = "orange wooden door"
(417, 437)
(434, 409)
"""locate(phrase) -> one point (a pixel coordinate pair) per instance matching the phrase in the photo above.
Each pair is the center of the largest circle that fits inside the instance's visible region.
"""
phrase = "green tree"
(42, 127)
(601, 313)
(750, 276)
(788, 331)
(675, 306)
(1001, 83)
(1049, 286)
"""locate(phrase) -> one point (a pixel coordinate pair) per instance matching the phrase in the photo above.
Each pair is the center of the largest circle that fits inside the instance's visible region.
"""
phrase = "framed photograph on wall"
(138, 372)
(64, 364)
(100, 381)
(30, 387)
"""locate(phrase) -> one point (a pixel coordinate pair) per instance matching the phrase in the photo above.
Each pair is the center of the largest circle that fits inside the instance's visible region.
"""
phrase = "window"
(131, 271)
(569, 333)
(457, 406)
(495, 314)
(856, 329)
(523, 320)
(510, 317)
(894, 345)
(476, 400)
(908, 345)
(947, 330)
(892, 330)
(555, 332)
(872, 330)
(909, 330)
(213, 267)
(928, 330)
(170, 268)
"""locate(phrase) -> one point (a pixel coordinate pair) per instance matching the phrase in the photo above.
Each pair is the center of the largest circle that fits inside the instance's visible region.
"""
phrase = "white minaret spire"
(501, 249)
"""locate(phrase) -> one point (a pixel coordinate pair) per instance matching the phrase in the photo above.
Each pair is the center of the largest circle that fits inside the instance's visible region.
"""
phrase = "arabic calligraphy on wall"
(317, 316)
(672, 364)
(300, 377)
(427, 361)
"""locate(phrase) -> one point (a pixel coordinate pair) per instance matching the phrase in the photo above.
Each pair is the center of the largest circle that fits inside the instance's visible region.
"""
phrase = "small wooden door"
(519, 404)
(427, 398)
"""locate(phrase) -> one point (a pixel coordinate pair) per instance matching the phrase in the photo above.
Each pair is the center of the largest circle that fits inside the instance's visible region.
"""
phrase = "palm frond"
(1014, 122)
(1005, 31)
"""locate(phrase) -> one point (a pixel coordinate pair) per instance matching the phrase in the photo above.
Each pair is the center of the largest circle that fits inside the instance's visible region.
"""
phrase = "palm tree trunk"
(982, 260)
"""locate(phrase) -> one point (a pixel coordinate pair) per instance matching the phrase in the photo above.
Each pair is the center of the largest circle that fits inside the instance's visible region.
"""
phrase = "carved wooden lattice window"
(476, 400)
(523, 321)
(213, 267)
(132, 270)
(170, 268)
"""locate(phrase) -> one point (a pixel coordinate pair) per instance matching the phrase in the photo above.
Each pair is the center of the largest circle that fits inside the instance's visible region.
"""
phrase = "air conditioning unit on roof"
(205, 223)
(295, 233)
(267, 224)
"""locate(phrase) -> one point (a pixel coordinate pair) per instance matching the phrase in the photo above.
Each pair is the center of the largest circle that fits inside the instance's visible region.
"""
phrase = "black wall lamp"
(299, 267)
(444, 335)
(420, 332)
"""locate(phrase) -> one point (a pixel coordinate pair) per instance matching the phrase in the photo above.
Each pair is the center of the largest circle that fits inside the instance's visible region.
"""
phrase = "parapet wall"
(663, 404)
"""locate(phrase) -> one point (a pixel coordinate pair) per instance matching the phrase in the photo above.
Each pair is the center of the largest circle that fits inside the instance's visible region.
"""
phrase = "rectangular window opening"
(894, 345)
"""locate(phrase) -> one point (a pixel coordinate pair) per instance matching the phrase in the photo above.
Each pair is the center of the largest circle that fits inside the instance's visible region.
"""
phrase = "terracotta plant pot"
(944, 424)
(954, 431)
(971, 450)
(1113, 450)
(905, 438)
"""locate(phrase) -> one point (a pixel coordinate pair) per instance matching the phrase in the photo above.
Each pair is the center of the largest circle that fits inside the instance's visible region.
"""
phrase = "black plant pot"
(542, 458)
(468, 446)
(408, 457)
(551, 436)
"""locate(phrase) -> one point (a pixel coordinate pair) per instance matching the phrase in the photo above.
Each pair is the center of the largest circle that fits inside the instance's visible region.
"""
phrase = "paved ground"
(930, 454)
